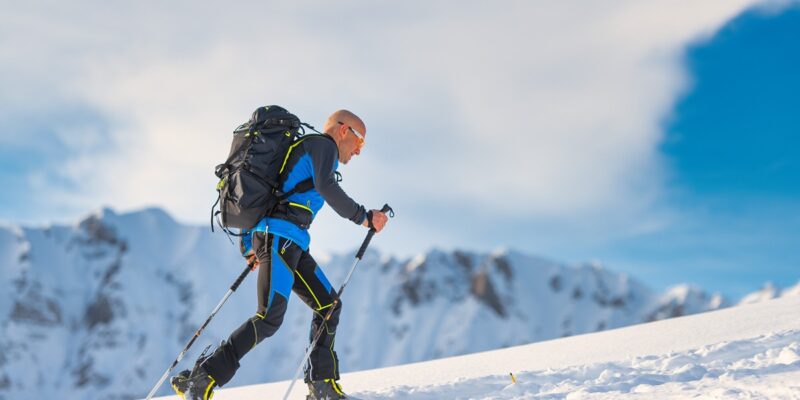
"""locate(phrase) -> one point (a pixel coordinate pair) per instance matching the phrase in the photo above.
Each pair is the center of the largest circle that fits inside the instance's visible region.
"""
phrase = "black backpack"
(249, 187)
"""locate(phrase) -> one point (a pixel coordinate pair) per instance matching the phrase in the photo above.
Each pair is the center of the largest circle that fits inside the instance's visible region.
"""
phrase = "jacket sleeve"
(323, 154)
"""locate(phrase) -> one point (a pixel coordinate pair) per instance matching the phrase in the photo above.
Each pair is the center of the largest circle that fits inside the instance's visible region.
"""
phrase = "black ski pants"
(283, 268)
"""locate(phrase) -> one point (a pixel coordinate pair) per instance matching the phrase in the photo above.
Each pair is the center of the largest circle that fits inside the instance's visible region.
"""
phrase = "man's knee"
(334, 309)
(329, 300)
(337, 308)
(264, 327)
(267, 320)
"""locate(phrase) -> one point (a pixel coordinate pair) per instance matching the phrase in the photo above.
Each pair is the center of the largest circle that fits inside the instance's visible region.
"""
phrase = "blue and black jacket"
(316, 157)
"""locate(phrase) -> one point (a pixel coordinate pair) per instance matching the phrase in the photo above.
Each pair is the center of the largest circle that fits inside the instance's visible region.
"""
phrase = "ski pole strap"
(388, 210)
(369, 220)
(371, 233)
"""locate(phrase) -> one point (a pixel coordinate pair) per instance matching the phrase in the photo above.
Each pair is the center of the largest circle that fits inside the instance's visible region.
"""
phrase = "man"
(278, 246)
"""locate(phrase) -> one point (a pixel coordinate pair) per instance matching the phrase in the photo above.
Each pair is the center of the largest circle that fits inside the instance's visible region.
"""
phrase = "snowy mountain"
(769, 292)
(100, 308)
(747, 352)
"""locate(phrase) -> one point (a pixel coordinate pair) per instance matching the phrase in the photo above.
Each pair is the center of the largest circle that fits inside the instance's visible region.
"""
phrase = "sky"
(655, 137)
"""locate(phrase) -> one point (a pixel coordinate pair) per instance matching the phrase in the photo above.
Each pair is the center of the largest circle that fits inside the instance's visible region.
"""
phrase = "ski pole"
(199, 331)
(318, 333)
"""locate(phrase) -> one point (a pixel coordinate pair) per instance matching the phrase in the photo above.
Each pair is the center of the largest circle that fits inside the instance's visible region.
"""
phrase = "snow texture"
(746, 352)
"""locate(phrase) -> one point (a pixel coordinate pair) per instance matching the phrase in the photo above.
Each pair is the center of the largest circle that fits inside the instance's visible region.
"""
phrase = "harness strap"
(305, 185)
(284, 210)
(301, 187)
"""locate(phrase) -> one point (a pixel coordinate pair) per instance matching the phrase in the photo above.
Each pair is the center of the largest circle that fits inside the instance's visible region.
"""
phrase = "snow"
(745, 352)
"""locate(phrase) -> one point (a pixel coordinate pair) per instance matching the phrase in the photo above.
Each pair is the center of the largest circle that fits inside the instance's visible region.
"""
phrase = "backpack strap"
(302, 186)
(284, 209)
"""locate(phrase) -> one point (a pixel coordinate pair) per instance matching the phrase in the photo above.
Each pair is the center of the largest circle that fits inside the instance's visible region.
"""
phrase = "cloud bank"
(538, 120)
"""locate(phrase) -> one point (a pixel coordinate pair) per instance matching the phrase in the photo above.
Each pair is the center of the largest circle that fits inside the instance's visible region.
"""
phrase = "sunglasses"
(355, 132)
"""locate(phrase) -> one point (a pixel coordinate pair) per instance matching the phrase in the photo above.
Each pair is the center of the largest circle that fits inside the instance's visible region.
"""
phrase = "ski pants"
(283, 268)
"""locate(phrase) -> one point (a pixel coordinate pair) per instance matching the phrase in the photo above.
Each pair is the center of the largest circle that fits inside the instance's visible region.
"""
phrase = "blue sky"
(735, 133)
(659, 142)
(732, 148)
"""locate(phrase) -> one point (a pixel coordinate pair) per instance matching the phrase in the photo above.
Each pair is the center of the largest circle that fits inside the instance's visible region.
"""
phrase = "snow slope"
(746, 352)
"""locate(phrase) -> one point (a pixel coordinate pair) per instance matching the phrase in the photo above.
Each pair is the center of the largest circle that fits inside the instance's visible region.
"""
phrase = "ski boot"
(194, 385)
(327, 389)
(180, 382)
(200, 386)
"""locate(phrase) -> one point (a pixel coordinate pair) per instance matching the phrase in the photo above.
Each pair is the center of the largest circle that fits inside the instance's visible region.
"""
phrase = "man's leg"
(277, 257)
(313, 287)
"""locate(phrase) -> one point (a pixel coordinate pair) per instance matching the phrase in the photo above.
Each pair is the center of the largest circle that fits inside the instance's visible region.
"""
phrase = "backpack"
(249, 187)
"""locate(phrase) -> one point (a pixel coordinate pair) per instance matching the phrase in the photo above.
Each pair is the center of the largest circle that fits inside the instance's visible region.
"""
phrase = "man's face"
(352, 140)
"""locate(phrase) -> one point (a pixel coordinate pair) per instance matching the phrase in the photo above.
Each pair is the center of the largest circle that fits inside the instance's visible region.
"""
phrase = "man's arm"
(323, 155)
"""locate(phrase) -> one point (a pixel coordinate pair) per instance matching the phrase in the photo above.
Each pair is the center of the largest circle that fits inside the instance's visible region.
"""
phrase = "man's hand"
(376, 220)
(252, 261)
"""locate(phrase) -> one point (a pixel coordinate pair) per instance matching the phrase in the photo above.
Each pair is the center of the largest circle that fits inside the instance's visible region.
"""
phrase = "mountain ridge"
(135, 286)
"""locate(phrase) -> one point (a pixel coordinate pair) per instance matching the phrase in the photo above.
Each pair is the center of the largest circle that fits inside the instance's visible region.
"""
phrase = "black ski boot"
(180, 382)
(327, 389)
(194, 385)
(200, 386)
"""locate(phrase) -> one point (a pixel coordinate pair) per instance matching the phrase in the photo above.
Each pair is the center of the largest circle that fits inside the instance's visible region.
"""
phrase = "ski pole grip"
(371, 233)
(241, 277)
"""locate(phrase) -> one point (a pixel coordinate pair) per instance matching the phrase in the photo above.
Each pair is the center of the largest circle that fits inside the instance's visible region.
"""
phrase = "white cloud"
(545, 111)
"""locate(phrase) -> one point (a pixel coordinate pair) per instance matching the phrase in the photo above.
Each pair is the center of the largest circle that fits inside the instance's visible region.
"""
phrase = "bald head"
(346, 117)
(342, 126)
